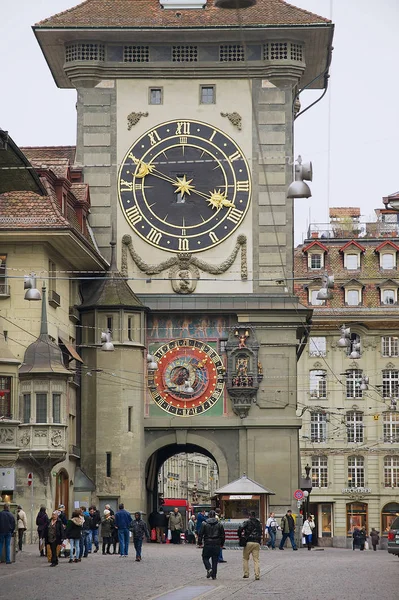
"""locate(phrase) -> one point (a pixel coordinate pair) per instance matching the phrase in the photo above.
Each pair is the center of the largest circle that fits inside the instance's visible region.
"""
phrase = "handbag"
(366, 545)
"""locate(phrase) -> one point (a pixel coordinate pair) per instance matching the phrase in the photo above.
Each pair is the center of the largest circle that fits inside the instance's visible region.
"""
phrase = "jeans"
(6, 537)
(84, 543)
(292, 540)
(75, 544)
(93, 539)
(211, 552)
(251, 548)
(123, 535)
(272, 541)
(138, 543)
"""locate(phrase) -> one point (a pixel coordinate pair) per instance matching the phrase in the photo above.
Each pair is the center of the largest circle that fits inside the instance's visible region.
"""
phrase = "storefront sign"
(240, 498)
(357, 490)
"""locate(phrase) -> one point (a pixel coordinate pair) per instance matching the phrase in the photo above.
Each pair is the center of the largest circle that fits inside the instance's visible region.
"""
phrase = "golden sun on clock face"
(189, 379)
(184, 186)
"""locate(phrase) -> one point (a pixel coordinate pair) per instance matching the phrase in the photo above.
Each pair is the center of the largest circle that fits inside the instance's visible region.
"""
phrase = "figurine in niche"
(260, 369)
(242, 337)
(242, 367)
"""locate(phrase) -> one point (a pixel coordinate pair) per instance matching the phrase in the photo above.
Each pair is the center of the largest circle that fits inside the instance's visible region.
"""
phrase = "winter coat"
(160, 520)
(287, 524)
(191, 526)
(107, 525)
(7, 522)
(271, 524)
(123, 519)
(212, 533)
(175, 521)
(200, 519)
(59, 532)
(86, 524)
(307, 528)
(375, 537)
(252, 529)
(41, 521)
(94, 520)
(140, 529)
(74, 528)
(21, 519)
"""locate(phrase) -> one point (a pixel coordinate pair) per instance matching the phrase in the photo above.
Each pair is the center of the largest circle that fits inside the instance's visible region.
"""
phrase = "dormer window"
(315, 252)
(352, 261)
(389, 292)
(388, 296)
(316, 261)
(352, 252)
(387, 261)
(353, 292)
(353, 297)
(388, 252)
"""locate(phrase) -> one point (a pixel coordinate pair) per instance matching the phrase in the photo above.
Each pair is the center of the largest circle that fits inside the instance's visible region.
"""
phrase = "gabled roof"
(387, 243)
(352, 282)
(149, 13)
(388, 282)
(244, 485)
(313, 244)
(352, 243)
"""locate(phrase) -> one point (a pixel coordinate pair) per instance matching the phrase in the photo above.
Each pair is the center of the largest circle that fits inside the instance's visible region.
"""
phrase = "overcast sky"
(360, 110)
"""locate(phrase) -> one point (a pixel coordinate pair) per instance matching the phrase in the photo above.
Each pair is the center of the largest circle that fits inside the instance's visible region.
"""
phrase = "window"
(207, 94)
(129, 418)
(52, 273)
(56, 408)
(391, 426)
(388, 296)
(352, 261)
(318, 426)
(109, 323)
(129, 329)
(389, 515)
(390, 382)
(353, 297)
(155, 96)
(319, 471)
(26, 408)
(317, 346)
(354, 339)
(318, 383)
(108, 464)
(387, 261)
(326, 520)
(3, 275)
(355, 471)
(356, 516)
(354, 426)
(353, 381)
(5, 397)
(389, 345)
(391, 471)
(41, 408)
(316, 261)
(314, 301)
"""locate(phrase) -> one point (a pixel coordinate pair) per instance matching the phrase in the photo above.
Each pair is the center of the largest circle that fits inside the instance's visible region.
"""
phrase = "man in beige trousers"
(251, 530)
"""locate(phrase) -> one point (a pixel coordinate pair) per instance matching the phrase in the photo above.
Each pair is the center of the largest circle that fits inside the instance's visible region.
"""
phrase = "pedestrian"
(106, 531)
(41, 522)
(251, 530)
(94, 524)
(54, 535)
(375, 538)
(191, 530)
(22, 526)
(115, 537)
(111, 512)
(219, 516)
(62, 515)
(73, 532)
(201, 517)
(123, 520)
(140, 531)
(288, 530)
(175, 525)
(212, 534)
(85, 537)
(161, 525)
(271, 527)
(307, 531)
(7, 527)
(358, 538)
(363, 538)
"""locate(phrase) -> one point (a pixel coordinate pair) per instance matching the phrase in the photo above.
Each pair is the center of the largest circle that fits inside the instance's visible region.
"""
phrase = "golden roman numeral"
(183, 128)
(134, 215)
(243, 186)
(183, 244)
(126, 186)
(154, 137)
(137, 186)
(154, 236)
(235, 156)
(183, 139)
(235, 215)
(213, 135)
(213, 236)
(183, 231)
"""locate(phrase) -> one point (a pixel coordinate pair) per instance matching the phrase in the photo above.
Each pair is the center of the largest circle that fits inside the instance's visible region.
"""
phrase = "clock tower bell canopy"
(91, 41)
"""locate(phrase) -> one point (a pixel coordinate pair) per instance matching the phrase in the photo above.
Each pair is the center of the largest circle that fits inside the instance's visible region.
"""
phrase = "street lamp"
(306, 487)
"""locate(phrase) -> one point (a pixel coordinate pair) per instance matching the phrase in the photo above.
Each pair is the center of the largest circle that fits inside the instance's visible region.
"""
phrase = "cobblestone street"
(176, 573)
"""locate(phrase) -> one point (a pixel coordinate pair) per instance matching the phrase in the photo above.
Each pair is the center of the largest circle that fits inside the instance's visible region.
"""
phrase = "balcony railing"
(340, 230)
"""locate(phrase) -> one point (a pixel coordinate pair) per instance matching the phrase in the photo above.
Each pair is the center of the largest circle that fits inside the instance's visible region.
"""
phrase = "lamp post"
(306, 487)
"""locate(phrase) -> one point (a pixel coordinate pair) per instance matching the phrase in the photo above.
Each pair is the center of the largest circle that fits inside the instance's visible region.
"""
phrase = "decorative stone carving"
(134, 118)
(56, 438)
(7, 435)
(234, 118)
(40, 433)
(25, 439)
(244, 371)
(185, 268)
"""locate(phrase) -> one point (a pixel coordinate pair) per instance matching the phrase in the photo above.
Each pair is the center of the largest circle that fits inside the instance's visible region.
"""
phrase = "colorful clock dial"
(184, 186)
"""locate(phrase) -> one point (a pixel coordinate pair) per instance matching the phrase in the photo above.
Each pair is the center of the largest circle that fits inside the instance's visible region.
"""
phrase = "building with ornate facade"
(347, 394)
(193, 477)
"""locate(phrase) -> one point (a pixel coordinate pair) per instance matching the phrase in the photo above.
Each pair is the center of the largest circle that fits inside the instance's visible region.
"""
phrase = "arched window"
(391, 471)
(354, 426)
(388, 515)
(356, 516)
(319, 471)
(355, 471)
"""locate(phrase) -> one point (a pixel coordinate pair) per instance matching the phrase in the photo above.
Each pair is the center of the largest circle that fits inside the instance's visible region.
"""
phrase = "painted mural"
(169, 327)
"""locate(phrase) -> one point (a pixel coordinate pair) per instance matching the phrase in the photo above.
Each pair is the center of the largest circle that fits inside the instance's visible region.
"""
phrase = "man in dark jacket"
(160, 522)
(94, 524)
(7, 527)
(140, 531)
(212, 534)
(288, 530)
(251, 530)
(123, 520)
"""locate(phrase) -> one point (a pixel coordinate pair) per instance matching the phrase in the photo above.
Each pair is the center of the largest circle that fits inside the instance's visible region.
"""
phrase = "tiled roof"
(352, 243)
(149, 13)
(315, 243)
(80, 191)
(344, 211)
(50, 154)
(387, 243)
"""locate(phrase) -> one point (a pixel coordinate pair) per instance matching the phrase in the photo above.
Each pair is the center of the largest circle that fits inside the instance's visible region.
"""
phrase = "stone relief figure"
(6, 435)
(56, 438)
(242, 366)
(25, 439)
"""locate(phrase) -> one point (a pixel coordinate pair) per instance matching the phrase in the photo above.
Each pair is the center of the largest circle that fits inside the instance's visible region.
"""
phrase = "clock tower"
(185, 134)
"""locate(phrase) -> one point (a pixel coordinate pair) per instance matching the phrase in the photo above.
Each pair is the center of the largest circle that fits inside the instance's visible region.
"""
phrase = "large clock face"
(184, 186)
(189, 379)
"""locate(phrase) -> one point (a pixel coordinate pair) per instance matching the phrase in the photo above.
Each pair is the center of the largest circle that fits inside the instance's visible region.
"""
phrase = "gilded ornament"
(134, 118)
(234, 118)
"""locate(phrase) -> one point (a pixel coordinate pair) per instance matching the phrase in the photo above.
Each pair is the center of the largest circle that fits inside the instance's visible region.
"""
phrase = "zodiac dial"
(184, 186)
(189, 379)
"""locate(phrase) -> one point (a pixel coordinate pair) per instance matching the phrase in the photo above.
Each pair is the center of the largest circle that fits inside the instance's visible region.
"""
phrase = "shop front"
(323, 514)
(388, 514)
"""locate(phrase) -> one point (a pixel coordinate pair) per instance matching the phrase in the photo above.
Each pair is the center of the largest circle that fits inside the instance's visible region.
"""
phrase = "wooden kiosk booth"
(236, 500)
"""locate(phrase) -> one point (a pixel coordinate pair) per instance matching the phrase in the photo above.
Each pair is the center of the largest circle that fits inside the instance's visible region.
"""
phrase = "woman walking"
(307, 531)
(41, 522)
(22, 526)
(54, 535)
(73, 532)
(271, 526)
